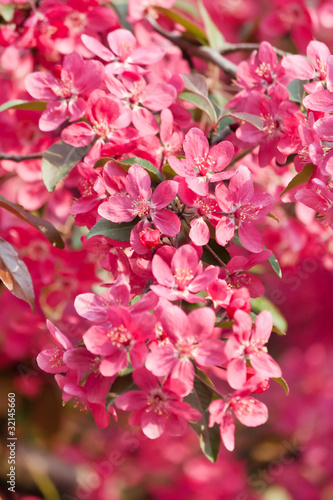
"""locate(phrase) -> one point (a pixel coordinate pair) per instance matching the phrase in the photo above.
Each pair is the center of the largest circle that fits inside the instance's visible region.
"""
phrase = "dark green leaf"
(221, 252)
(58, 161)
(264, 304)
(169, 172)
(19, 104)
(43, 226)
(300, 178)
(196, 84)
(200, 398)
(113, 230)
(190, 27)
(15, 275)
(283, 383)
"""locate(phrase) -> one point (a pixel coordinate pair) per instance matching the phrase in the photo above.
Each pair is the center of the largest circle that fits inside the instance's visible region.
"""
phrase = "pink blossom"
(157, 408)
(66, 90)
(180, 275)
(143, 203)
(242, 208)
(249, 344)
(123, 54)
(51, 360)
(190, 337)
(320, 199)
(249, 411)
(105, 114)
(202, 164)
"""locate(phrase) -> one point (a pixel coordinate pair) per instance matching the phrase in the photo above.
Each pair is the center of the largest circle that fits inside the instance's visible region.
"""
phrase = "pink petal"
(251, 412)
(184, 372)
(50, 361)
(195, 145)
(225, 230)
(39, 85)
(97, 48)
(117, 209)
(164, 194)
(241, 185)
(122, 43)
(58, 336)
(138, 183)
(153, 424)
(227, 431)
(250, 237)
(132, 400)
(210, 353)
(222, 154)
(159, 96)
(166, 221)
(54, 115)
(78, 135)
(297, 67)
(147, 55)
(76, 109)
(161, 360)
(262, 327)
(91, 307)
(319, 101)
(199, 232)
(236, 373)
(265, 365)
(144, 121)
(111, 365)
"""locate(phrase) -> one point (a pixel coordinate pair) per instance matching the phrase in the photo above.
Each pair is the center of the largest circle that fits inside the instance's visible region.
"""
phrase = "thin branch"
(200, 51)
(229, 48)
(17, 158)
(210, 250)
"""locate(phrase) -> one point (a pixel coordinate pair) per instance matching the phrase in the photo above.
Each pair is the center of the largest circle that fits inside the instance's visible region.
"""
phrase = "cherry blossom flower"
(124, 54)
(243, 208)
(190, 338)
(249, 344)
(143, 203)
(320, 199)
(180, 275)
(51, 360)
(65, 90)
(248, 410)
(157, 408)
(202, 164)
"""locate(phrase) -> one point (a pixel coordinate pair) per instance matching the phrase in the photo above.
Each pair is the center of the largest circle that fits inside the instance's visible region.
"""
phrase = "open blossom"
(319, 199)
(51, 360)
(248, 410)
(248, 344)
(141, 98)
(242, 208)
(157, 408)
(124, 54)
(105, 114)
(143, 203)
(190, 338)
(180, 275)
(202, 164)
(65, 90)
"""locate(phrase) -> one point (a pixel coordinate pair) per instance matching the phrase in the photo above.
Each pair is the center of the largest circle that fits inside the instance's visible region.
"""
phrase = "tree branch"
(17, 158)
(229, 48)
(200, 51)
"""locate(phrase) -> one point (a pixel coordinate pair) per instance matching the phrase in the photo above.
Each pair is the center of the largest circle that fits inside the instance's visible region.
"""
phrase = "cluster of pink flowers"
(174, 217)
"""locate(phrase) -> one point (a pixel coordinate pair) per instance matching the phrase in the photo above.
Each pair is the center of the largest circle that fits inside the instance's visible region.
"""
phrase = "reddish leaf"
(43, 226)
(15, 275)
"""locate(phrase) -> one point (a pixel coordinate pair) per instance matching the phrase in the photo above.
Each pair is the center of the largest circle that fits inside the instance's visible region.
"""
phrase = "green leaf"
(275, 264)
(220, 251)
(43, 226)
(254, 120)
(15, 275)
(214, 35)
(283, 384)
(196, 84)
(300, 178)
(168, 172)
(200, 102)
(7, 12)
(264, 304)
(115, 231)
(296, 90)
(19, 104)
(147, 165)
(190, 27)
(58, 161)
(200, 398)
(121, 385)
(272, 216)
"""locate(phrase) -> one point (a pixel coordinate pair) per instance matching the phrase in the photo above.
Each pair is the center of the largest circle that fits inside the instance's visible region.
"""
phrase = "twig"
(210, 250)
(229, 48)
(17, 158)
(200, 51)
